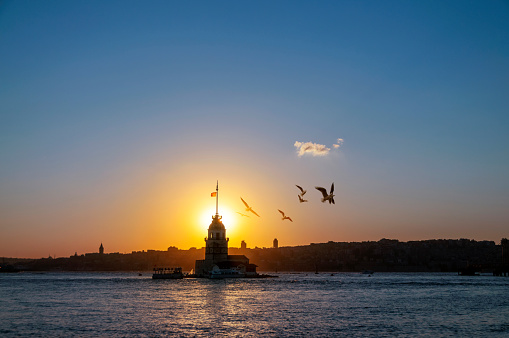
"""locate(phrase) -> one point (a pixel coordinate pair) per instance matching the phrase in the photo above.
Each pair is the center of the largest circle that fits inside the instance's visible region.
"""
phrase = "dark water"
(125, 304)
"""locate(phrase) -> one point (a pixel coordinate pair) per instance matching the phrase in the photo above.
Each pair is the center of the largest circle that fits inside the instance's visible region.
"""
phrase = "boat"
(168, 273)
(367, 272)
(8, 268)
(217, 273)
(469, 271)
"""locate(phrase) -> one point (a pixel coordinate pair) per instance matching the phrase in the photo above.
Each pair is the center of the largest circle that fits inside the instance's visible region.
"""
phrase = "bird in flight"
(301, 200)
(326, 196)
(284, 217)
(248, 208)
(302, 191)
(241, 214)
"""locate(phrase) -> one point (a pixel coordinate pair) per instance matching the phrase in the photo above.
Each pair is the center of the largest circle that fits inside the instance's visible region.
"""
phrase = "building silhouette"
(216, 254)
(275, 244)
(243, 245)
(217, 261)
(101, 249)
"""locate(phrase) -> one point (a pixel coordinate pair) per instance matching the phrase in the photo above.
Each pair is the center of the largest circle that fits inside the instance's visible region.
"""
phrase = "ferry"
(469, 271)
(168, 273)
(8, 268)
(217, 273)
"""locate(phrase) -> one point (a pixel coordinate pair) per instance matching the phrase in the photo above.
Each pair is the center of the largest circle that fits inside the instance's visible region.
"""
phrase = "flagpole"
(217, 195)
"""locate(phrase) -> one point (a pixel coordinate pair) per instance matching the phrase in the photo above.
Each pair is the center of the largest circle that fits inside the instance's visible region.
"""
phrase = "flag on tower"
(213, 194)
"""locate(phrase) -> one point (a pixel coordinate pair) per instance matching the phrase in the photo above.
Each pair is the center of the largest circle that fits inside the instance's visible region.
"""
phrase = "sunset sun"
(228, 217)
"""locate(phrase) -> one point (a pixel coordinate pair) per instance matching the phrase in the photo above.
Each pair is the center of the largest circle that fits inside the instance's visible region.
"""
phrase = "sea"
(125, 304)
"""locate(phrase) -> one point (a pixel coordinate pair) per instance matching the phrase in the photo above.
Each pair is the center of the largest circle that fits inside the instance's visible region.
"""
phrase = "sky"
(117, 118)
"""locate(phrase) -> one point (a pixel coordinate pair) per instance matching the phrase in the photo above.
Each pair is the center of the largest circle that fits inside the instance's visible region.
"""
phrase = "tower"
(216, 244)
(275, 243)
(217, 262)
(101, 249)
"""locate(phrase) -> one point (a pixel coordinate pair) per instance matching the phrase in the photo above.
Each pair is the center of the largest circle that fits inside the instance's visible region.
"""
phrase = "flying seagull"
(326, 196)
(248, 208)
(302, 191)
(285, 217)
(241, 214)
(301, 199)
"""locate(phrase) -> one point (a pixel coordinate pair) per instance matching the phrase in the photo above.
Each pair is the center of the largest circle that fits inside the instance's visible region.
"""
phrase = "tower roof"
(216, 224)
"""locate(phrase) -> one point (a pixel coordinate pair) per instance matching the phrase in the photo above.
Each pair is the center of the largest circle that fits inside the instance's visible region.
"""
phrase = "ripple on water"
(120, 304)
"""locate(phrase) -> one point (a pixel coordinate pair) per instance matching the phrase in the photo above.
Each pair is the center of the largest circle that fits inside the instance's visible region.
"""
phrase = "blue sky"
(100, 99)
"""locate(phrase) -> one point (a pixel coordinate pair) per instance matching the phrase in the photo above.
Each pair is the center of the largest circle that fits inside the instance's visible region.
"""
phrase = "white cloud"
(338, 144)
(314, 149)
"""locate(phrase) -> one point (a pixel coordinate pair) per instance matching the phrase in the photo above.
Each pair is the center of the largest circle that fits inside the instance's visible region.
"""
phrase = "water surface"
(345, 304)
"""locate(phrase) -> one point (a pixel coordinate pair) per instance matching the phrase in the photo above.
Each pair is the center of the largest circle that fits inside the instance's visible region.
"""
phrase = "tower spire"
(217, 196)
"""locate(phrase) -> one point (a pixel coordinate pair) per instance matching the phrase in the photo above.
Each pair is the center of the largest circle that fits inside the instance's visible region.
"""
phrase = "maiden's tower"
(217, 262)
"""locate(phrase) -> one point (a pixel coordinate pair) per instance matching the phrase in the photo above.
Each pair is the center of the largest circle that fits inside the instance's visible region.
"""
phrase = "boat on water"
(469, 271)
(8, 268)
(167, 273)
(217, 273)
